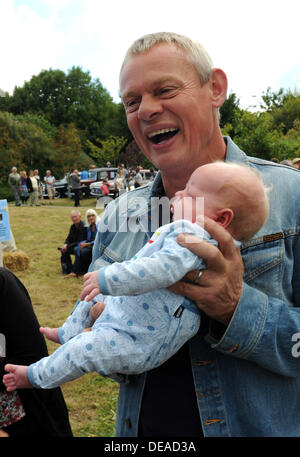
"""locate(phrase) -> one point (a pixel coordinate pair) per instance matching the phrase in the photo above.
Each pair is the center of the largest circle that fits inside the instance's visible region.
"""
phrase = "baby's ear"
(224, 217)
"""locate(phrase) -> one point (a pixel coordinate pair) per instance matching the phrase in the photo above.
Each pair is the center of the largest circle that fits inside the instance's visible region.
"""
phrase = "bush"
(6, 192)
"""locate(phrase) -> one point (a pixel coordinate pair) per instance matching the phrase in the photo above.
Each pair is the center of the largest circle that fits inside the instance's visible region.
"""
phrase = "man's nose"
(149, 108)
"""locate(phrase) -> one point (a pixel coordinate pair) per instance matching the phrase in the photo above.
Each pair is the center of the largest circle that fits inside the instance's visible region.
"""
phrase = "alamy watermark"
(296, 347)
(136, 215)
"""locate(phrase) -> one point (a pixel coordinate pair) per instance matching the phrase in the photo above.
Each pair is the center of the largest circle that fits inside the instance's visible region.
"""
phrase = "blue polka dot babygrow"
(143, 323)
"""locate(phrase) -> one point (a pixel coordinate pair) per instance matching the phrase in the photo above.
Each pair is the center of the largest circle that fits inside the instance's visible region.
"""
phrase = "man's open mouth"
(160, 136)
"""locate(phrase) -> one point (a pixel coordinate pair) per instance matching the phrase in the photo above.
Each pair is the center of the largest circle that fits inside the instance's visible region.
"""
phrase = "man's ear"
(219, 85)
(224, 217)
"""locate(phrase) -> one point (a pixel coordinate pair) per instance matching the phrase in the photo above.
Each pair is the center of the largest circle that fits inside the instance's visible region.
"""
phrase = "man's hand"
(64, 248)
(219, 288)
(90, 286)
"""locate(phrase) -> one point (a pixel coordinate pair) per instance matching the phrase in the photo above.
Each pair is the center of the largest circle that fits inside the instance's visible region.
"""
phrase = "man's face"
(168, 111)
(75, 218)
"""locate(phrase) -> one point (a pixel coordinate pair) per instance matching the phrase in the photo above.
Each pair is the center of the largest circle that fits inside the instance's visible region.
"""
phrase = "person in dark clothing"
(75, 185)
(21, 342)
(85, 248)
(77, 233)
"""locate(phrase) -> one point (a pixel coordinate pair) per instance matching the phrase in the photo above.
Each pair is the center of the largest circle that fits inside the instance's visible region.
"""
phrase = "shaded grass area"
(38, 231)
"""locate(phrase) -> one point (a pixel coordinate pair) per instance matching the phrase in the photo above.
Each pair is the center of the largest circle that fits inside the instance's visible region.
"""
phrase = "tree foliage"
(271, 132)
(63, 120)
(108, 151)
(68, 98)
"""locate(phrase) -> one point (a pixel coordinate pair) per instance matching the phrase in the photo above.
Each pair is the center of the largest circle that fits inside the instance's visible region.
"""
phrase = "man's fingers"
(189, 290)
(208, 252)
(224, 238)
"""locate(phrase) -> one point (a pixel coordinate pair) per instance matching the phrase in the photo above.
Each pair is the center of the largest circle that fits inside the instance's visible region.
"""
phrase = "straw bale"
(16, 260)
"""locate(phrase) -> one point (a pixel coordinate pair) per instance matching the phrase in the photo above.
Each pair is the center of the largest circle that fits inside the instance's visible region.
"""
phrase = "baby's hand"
(90, 286)
(16, 378)
(50, 333)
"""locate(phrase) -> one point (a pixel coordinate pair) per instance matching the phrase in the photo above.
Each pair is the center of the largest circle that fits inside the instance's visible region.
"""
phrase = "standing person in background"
(33, 195)
(84, 174)
(38, 413)
(14, 181)
(40, 187)
(75, 186)
(50, 181)
(137, 178)
(23, 187)
(296, 163)
(120, 180)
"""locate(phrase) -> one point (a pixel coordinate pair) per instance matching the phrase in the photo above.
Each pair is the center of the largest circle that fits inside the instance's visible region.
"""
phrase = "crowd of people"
(234, 373)
(294, 163)
(79, 243)
(29, 188)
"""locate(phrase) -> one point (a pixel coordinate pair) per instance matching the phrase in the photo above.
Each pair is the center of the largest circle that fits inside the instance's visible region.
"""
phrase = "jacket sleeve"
(69, 238)
(265, 329)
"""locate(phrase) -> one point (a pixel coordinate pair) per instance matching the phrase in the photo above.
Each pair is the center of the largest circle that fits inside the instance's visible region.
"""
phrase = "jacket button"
(128, 423)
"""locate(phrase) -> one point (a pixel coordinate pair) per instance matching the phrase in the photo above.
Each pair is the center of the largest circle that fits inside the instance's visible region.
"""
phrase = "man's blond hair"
(192, 50)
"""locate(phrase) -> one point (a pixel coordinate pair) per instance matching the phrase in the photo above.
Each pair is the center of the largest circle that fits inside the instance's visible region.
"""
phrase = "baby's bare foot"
(16, 377)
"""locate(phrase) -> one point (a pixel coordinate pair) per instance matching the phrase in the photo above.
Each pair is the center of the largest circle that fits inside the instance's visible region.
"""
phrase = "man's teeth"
(159, 132)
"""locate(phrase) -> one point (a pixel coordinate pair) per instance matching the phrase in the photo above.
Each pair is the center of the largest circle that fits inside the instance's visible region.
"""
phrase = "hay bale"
(16, 260)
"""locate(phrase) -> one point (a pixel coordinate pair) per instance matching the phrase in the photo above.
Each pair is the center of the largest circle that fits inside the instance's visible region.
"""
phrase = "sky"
(255, 42)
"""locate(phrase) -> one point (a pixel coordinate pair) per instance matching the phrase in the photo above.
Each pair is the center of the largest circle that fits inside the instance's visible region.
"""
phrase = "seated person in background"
(144, 324)
(76, 234)
(84, 248)
(28, 413)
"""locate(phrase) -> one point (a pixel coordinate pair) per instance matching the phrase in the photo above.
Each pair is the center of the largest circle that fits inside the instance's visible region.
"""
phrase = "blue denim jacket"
(247, 380)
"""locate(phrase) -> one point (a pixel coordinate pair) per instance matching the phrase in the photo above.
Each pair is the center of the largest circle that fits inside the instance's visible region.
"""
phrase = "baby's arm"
(152, 271)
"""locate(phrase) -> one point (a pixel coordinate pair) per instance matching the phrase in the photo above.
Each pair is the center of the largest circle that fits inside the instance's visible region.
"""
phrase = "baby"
(143, 323)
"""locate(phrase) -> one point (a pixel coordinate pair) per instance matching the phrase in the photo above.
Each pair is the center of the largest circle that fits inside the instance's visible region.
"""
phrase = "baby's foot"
(50, 333)
(87, 330)
(16, 377)
(96, 310)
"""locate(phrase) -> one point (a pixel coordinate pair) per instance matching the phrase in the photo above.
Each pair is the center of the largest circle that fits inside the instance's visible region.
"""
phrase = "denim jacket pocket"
(264, 265)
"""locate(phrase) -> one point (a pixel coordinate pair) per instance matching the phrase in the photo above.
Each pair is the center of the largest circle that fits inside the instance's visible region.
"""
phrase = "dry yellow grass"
(38, 231)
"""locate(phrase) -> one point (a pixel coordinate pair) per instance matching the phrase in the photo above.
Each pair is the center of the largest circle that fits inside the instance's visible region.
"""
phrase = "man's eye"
(131, 105)
(166, 90)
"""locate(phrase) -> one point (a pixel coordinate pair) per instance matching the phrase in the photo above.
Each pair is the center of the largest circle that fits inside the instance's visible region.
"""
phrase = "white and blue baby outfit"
(143, 324)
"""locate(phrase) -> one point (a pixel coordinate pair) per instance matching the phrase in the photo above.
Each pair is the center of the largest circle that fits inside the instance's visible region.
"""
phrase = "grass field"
(38, 231)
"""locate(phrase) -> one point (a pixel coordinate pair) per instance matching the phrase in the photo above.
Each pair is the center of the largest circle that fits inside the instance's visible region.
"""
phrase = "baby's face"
(197, 199)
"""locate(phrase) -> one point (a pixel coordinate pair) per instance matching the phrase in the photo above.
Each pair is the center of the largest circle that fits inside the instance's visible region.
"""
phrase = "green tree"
(69, 98)
(66, 151)
(109, 150)
(229, 109)
(22, 144)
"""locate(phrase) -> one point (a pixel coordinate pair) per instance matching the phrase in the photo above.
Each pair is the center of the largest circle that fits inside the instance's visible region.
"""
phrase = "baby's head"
(233, 195)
